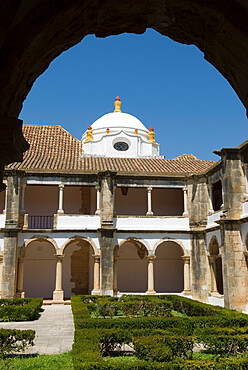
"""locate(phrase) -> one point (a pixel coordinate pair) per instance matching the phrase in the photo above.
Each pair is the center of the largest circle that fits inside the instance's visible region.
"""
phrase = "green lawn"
(44, 362)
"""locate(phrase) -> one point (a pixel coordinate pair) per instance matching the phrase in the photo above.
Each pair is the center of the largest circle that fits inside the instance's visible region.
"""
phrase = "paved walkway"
(54, 330)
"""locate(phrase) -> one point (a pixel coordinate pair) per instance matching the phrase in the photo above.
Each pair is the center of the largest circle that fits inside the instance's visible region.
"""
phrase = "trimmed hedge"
(12, 340)
(160, 342)
(20, 309)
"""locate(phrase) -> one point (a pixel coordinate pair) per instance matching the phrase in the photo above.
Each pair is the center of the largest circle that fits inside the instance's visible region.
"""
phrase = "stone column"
(115, 275)
(186, 270)
(107, 230)
(98, 194)
(20, 293)
(185, 201)
(5, 203)
(149, 202)
(210, 192)
(212, 263)
(1, 271)
(96, 288)
(58, 294)
(61, 193)
(22, 210)
(150, 271)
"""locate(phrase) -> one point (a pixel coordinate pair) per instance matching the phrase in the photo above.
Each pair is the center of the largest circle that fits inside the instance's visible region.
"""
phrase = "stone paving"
(54, 330)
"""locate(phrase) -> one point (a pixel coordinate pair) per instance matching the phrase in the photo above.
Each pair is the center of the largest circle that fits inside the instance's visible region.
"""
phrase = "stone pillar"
(149, 202)
(185, 201)
(58, 294)
(96, 288)
(1, 271)
(107, 230)
(200, 266)
(235, 277)
(13, 225)
(9, 264)
(150, 270)
(98, 195)
(20, 293)
(115, 275)
(61, 193)
(212, 263)
(186, 271)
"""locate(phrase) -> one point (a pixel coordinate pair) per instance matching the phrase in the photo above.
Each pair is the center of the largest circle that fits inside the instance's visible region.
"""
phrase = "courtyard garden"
(157, 332)
(133, 332)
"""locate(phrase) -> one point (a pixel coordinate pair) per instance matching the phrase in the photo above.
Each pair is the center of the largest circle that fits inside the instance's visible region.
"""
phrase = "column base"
(149, 213)
(107, 292)
(98, 212)
(20, 294)
(185, 214)
(150, 292)
(95, 292)
(116, 292)
(58, 297)
(187, 292)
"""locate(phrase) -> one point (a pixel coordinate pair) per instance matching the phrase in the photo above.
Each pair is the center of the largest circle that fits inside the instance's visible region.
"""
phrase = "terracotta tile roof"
(53, 149)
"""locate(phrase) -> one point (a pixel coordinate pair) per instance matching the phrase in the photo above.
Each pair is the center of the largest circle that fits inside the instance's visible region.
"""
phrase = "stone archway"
(169, 268)
(78, 266)
(131, 268)
(39, 268)
(217, 28)
(215, 262)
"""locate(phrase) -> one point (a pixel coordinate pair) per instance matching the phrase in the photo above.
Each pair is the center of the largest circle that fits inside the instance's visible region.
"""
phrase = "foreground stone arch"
(47, 28)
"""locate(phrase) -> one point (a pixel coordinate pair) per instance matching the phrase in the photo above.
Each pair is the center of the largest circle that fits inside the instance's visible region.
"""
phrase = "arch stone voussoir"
(77, 238)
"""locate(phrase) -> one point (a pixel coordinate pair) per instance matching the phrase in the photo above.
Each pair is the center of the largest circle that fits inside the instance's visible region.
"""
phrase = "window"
(121, 146)
(217, 195)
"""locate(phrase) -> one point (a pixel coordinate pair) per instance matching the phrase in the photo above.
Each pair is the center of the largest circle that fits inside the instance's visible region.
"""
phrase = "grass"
(44, 362)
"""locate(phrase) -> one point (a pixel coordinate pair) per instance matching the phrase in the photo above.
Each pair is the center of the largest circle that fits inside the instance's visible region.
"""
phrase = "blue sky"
(167, 85)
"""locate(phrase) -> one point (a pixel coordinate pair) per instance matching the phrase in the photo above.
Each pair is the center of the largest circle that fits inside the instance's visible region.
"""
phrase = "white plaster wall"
(1, 242)
(167, 202)
(212, 218)
(152, 223)
(2, 221)
(61, 239)
(168, 268)
(41, 200)
(131, 270)
(244, 232)
(67, 284)
(151, 240)
(39, 270)
(245, 209)
(77, 222)
(209, 236)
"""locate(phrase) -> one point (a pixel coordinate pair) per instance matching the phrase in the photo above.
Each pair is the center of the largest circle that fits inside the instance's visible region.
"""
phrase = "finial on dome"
(89, 133)
(117, 104)
(151, 135)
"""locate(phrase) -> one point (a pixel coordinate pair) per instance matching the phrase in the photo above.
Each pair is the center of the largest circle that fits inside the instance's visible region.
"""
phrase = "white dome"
(118, 119)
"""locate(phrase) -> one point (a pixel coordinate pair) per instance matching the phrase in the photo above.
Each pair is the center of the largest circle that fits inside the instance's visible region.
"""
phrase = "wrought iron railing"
(40, 222)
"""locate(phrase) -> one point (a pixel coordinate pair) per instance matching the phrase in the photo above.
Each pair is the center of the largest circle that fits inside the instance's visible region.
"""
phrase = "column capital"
(185, 188)
(214, 257)
(96, 257)
(61, 186)
(186, 259)
(149, 189)
(59, 256)
(150, 258)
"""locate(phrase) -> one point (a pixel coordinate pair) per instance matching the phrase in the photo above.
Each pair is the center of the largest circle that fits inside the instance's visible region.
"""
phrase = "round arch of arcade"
(137, 268)
(215, 265)
(44, 270)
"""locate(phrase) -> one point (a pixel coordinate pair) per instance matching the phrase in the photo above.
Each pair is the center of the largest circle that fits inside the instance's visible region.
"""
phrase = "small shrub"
(20, 309)
(14, 341)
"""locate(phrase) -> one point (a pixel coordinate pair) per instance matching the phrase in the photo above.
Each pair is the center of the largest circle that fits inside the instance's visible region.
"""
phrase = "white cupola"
(119, 134)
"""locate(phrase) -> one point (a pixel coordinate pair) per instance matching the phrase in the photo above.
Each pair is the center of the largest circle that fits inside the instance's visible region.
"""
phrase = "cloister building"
(109, 215)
